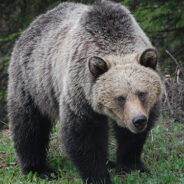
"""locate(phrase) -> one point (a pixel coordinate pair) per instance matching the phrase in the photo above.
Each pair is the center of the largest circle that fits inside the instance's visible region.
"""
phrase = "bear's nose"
(139, 122)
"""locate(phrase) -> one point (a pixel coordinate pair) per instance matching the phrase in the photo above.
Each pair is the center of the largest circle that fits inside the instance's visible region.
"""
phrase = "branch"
(178, 63)
(168, 103)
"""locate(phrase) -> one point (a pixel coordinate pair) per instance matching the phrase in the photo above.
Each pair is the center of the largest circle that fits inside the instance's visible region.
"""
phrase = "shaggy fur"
(52, 78)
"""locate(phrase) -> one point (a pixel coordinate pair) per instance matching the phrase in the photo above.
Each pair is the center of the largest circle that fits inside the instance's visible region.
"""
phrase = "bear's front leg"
(130, 145)
(85, 139)
(129, 150)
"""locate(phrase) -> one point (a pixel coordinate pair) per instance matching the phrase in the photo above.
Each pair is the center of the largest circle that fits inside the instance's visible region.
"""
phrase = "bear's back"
(42, 25)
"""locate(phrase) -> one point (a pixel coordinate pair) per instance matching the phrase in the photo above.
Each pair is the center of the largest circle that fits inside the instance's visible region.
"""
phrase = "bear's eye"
(121, 99)
(142, 96)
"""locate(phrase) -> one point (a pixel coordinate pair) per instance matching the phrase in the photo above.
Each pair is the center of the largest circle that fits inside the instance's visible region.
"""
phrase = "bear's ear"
(149, 58)
(97, 66)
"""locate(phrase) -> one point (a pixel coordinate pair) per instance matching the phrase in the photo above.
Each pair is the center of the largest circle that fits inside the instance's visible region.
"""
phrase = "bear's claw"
(124, 169)
(49, 174)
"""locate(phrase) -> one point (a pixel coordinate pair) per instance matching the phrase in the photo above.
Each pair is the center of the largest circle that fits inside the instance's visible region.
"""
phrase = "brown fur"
(127, 81)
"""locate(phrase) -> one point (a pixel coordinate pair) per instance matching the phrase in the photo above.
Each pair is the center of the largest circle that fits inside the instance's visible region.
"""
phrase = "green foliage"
(163, 21)
(3, 94)
(163, 155)
(11, 37)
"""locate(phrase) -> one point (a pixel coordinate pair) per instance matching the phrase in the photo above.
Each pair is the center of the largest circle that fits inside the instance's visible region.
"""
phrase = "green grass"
(163, 155)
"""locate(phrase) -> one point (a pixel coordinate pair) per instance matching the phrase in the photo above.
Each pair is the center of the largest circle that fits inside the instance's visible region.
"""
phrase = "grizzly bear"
(80, 65)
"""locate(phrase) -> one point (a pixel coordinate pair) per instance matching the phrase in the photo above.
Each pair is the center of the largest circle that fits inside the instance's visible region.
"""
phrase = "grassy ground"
(163, 155)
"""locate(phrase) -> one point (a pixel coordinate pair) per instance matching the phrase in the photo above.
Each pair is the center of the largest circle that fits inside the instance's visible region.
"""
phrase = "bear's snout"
(139, 122)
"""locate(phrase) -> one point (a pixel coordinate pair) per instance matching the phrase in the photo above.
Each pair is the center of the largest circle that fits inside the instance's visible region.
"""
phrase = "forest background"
(163, 22)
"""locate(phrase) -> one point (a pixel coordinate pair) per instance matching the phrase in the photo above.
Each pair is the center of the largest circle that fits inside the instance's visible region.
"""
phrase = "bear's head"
(125, 93)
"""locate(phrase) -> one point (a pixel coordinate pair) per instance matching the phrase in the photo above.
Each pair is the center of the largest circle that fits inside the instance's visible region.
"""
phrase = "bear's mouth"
(130, 125)
(135, 130)
(121, 123)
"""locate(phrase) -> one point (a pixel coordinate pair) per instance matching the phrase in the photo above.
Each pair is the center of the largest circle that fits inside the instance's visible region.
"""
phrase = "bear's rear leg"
(129, 150)
(30, 131)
